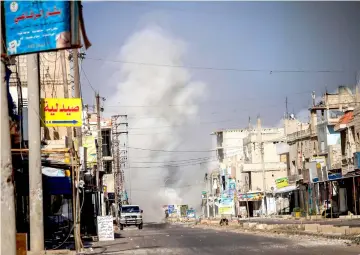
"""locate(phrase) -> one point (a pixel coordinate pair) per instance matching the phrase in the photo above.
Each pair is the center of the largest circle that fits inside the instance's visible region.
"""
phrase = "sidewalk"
(345, 228)
(353, 222)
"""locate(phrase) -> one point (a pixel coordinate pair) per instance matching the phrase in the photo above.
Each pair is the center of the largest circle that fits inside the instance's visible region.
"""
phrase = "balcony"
(257, 167)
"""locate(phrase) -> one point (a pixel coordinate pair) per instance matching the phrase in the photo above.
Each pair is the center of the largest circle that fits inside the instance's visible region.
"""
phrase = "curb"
(331, 232)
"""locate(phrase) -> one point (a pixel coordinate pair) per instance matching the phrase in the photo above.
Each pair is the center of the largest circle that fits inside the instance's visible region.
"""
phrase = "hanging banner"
(61, 112)
(251, 197)
(38, 26)
(91, 155)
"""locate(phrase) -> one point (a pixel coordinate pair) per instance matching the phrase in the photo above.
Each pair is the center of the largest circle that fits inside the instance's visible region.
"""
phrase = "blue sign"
(35, 26)
(171, 209)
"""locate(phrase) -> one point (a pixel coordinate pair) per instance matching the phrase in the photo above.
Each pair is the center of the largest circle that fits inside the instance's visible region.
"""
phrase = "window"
(106, 142)
(130, 209)
(107, 166)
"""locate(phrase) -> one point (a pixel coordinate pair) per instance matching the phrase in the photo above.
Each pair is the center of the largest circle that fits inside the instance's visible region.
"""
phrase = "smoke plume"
(160, 100)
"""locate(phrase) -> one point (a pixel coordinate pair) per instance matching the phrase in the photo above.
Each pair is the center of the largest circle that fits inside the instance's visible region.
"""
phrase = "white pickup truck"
(131, 215)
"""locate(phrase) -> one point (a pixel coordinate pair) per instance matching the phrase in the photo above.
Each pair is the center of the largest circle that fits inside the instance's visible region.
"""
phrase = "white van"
(131, 215)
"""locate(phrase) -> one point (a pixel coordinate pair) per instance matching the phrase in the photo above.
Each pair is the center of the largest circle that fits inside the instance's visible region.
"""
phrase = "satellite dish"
(292, 116)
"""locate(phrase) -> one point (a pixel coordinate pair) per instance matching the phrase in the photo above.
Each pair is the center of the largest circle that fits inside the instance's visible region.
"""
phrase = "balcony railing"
(300, 135)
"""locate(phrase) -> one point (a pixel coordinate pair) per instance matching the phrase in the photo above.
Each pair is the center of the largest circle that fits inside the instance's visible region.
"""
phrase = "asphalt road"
(184, 240)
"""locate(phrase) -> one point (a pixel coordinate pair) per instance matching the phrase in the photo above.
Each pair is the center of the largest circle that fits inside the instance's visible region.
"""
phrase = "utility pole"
(8, 226)
(77, 94)
(35, 172)
(99, 145)
(261, 144)
(116, 122)
(66, 89)
(213, 194)
(208, 197)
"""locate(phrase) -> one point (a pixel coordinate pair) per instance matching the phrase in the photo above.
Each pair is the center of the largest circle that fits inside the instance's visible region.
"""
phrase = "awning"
(286, 189)
(53, 172)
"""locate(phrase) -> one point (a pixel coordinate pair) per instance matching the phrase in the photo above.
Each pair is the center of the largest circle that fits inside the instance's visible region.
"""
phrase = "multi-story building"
(250, 157)
(261, 156)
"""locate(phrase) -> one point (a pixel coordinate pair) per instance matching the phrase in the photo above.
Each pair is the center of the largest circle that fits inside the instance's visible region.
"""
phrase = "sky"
(267, 36)
(247, 57)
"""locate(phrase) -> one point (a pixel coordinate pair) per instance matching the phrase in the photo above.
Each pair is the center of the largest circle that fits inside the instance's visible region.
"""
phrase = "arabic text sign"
(35, 26)
(226, 209)
(61, 112)
(282, 182)
(105, 228)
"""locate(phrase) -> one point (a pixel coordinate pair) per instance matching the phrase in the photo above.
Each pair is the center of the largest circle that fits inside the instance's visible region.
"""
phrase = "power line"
(143, 149)
(176, 165)
(216, 68)
(170, 161)
(89, 83)
(201, 103)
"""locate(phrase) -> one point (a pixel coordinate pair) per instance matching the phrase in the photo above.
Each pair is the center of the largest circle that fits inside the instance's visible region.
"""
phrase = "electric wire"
(270, 71)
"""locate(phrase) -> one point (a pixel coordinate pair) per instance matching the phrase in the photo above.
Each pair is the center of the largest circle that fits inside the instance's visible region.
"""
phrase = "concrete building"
(254, 150)
(318, 139)
(346, 128)
(230, 151)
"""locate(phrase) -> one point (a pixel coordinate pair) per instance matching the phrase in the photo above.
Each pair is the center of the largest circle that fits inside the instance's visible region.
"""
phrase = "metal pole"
(99, 152)
(35, 173)
(354, 191)
(208, 200)
(77, 94)
(261, 144)
(8, 226)
(66, 88)
(213, 195)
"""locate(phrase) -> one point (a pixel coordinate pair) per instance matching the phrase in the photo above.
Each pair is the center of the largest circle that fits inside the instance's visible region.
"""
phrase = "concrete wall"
(108, 180)
(356, 122)
(270, 177)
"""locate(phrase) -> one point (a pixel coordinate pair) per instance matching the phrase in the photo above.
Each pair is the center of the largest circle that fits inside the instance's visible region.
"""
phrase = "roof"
(344, 120)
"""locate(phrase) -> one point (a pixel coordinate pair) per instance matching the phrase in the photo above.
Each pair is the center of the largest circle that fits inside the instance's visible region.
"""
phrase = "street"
(178, 239)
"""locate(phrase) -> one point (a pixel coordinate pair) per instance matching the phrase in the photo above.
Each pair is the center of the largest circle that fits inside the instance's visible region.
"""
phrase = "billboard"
(38, 26)
(183, 209)
(61, 112)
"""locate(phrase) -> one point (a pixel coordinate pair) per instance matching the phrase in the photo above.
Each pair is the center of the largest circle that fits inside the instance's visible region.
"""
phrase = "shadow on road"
(105, 252)
(156, 225)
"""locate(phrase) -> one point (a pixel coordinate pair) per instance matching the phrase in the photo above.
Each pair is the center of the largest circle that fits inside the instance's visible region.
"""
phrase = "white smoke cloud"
(174, 90)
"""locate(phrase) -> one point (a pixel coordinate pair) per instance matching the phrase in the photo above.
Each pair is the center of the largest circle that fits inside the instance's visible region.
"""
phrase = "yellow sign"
(283, 158)
(318, 165)
(282, 182)
(89, 143)
(61, 112)
(225, 209)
